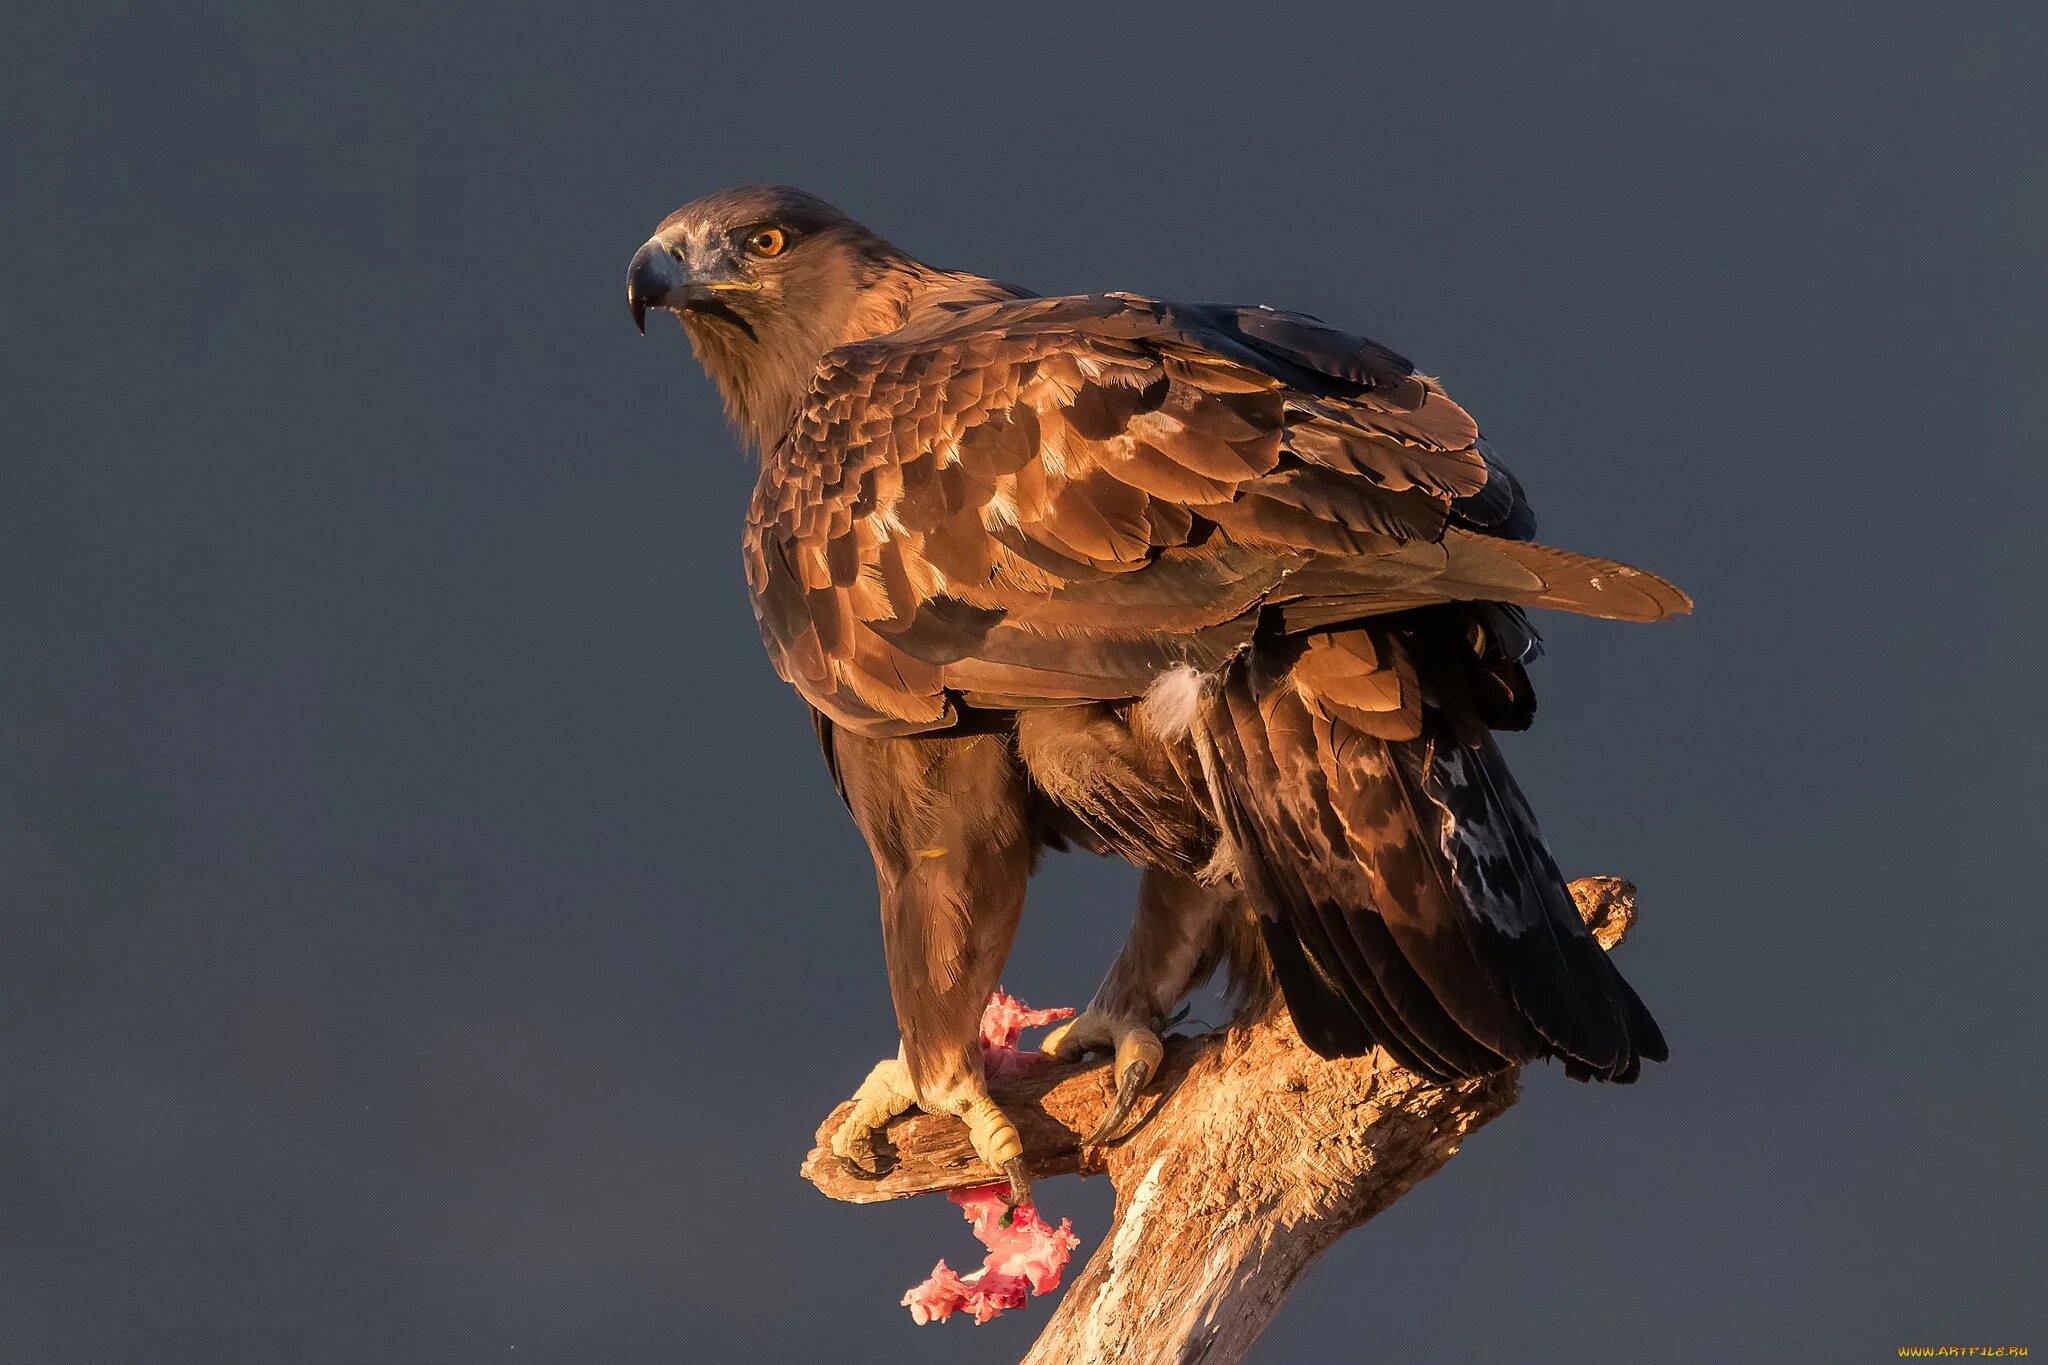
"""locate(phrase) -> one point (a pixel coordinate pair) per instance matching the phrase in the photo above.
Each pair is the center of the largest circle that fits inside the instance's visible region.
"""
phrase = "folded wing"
(1037, 501)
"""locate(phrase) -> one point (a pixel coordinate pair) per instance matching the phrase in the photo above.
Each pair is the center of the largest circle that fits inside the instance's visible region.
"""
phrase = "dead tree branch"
(1256, 1156)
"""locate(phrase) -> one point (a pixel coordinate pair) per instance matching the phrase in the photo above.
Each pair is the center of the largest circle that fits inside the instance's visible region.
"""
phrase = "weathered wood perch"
(1254, 1157)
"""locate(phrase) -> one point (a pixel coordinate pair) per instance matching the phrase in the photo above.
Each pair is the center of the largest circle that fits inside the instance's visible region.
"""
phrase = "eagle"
(1223, 590)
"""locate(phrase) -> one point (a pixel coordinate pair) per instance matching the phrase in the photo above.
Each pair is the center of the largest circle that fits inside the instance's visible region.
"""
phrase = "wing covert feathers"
(1022, 500)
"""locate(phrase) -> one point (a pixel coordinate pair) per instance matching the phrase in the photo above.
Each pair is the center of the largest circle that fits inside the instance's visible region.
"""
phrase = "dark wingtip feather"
(1452, 941)
(1642, 1026)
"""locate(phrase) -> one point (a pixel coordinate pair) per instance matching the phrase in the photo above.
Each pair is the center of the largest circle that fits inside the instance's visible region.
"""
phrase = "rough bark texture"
(1253, 1158)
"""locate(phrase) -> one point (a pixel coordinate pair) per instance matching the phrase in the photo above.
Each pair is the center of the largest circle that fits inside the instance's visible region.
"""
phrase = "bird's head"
(765, 279)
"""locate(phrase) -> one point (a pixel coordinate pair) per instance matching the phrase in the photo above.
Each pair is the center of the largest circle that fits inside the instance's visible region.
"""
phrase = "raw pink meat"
(1027, 1256)
(1024, 1258)
(1005, 1018)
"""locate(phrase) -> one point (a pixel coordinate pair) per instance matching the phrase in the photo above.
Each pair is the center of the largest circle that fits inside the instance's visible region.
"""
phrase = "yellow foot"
(1138, 1054)
(881, 1097)
(887, 1092)
(996, 1142)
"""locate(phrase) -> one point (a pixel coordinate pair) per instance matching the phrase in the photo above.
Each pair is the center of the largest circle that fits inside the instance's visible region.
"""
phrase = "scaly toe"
(1089, 1030)
(994, 1137)
(882, 1096)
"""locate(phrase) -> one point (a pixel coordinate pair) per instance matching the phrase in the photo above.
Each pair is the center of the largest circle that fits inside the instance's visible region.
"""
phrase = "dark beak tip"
(650, 281)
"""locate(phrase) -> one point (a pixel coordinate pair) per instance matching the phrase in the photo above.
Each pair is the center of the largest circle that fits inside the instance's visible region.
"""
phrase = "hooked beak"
(656, 279)
(651, 280)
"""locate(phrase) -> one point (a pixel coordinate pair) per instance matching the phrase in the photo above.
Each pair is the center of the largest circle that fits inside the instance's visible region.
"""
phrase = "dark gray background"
(428, 932)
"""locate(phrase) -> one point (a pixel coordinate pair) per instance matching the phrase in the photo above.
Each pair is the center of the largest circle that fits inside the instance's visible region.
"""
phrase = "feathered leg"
(947, 820)
(1129, 786)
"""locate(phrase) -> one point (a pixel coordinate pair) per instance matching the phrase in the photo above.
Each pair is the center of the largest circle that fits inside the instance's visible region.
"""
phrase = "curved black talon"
(1127, 1091)
(883, 1165)
(1020, 1186)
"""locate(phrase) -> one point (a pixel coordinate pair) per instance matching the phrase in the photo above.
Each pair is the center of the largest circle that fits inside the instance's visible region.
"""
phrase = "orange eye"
(768, 242)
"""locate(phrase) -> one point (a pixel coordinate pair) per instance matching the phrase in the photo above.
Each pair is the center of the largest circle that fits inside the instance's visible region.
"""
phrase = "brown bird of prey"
(1226, 591)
